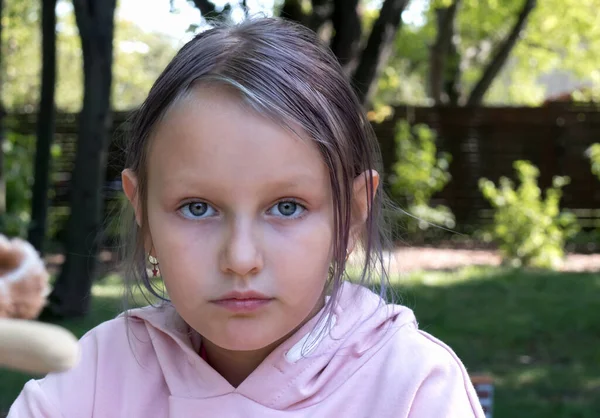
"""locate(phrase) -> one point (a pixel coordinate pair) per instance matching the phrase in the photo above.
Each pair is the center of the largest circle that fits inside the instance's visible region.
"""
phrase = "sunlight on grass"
(110, 287)
(530, 376)
(592, 384)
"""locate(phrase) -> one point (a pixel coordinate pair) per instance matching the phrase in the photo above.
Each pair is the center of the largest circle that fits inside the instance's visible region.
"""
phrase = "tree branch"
(452, 75)
(378, 48)
(502, 54)
(441, 48)
(82, 17)
(206, 7)
(245, 8)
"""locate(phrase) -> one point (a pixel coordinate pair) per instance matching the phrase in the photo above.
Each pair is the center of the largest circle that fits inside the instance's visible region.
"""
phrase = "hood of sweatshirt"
(372, 361)
(301, 372)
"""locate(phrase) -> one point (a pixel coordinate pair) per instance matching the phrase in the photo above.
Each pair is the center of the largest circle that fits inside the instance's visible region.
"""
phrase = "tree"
(490, 52)
(444, 68)
(45, 125)
(500, 56)
(379, 47)
(445, 56)
(362, 57)
(139, 57)
(70, 297)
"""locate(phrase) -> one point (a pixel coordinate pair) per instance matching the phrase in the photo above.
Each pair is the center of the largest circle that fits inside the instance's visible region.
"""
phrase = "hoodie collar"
(304, 368)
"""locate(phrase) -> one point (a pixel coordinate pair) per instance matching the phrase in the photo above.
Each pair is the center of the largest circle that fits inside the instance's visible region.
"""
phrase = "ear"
(362, 199)
(130, 183)
(130, 187)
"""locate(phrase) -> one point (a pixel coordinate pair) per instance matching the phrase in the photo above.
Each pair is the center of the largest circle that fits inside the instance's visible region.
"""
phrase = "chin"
(248, 341)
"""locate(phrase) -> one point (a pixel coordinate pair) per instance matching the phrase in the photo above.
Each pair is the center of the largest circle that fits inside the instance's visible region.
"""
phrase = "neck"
(236, 366)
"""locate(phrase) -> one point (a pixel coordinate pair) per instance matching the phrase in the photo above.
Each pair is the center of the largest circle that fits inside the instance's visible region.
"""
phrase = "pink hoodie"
(374, 362)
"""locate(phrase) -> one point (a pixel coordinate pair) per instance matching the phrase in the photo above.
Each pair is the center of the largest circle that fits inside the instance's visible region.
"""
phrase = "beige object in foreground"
(35, 347)
(25, 344)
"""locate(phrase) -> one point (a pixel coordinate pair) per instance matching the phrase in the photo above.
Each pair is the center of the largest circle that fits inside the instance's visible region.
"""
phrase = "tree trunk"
(70, 298)
(440, 50)
(321, 13)
(378, 49)
(2, 115)
(292, 10)
(452, 76)
(502, 54)
(45, 127)
(206, 7)
(347, 30)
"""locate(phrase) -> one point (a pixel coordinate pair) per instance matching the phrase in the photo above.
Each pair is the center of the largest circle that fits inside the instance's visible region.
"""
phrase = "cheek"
(301, 255)
(181, 250)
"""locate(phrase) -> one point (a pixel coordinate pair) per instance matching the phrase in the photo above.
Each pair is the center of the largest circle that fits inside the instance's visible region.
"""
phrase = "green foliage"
(593, 153)
(530, 231)
(419, 172)
(561, 37)
(139, 58)
(19, 154)
(18, 159)
(21, 57)
(404, 78)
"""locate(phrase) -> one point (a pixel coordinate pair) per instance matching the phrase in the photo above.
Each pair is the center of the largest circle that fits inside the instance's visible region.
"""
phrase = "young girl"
(252, 176)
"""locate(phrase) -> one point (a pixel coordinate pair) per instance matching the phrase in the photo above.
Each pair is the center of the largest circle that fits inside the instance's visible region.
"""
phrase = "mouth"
(243, 302)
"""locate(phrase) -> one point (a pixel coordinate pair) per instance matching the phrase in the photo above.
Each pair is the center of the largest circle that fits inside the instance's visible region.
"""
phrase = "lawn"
(536, 333)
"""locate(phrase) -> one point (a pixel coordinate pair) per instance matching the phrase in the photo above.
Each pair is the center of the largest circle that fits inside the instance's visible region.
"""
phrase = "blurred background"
(488, 118)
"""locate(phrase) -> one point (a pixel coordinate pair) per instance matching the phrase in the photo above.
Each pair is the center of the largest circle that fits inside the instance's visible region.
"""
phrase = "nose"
(241, 255)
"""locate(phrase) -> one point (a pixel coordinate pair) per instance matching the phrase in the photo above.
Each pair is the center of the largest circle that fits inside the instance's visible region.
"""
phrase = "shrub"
(529, 230)
(18, 171)
(419, 172)
(19, 154)
(593, 153)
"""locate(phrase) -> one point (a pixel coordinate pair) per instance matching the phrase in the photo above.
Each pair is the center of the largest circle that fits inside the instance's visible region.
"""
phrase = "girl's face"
(237, 204)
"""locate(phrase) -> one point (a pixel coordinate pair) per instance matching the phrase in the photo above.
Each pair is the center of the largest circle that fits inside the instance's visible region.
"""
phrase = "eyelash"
(291, 200)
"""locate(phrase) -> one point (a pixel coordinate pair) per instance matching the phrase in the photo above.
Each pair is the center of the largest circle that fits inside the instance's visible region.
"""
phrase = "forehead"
(212, 135)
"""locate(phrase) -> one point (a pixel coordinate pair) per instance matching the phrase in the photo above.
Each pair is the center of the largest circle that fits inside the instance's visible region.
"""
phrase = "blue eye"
(197, 210)
(287, 209)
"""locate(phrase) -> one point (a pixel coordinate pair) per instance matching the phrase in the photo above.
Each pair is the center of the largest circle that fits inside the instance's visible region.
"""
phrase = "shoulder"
(108, 357)
(426, 351)
(105, 349)
(436, 375)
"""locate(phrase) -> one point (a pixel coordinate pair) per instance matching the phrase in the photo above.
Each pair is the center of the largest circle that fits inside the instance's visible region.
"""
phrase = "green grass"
(536, 333)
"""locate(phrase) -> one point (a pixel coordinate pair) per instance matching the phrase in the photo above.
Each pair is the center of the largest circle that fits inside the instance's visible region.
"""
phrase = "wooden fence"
(484, 142)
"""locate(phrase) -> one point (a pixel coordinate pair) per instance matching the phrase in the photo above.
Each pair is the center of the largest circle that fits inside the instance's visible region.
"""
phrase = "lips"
(243, 302)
